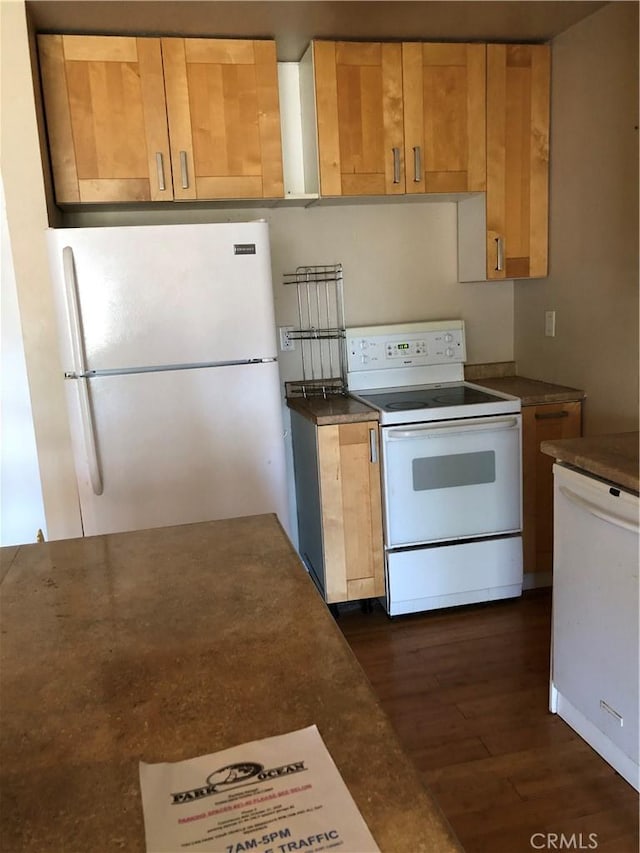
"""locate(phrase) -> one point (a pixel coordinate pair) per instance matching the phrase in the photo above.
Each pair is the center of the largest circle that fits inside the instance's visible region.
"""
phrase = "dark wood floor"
(467, 692)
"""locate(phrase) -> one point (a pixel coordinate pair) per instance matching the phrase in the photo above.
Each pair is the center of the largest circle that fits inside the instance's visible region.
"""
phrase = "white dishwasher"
(594, 659)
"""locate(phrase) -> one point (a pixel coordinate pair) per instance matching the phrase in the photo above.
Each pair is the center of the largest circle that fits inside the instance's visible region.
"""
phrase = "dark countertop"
(162, 645)
(337, 409)
(532, 392)
(344, 409)
(613, 457)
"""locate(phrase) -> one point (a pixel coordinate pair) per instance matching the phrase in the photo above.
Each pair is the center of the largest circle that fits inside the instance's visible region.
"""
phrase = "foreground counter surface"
(613, 457)
(161, 645)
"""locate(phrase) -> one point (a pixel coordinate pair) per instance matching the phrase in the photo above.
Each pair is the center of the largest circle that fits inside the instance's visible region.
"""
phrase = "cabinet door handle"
(396, 165)
(184, 172)
(499, 254)
(373, 446)
(417, 164)
(544, 416)
(160, 167)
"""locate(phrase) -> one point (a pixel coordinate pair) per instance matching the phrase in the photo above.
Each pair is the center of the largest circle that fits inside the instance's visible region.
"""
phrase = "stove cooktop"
(429, 398)
(437, 402)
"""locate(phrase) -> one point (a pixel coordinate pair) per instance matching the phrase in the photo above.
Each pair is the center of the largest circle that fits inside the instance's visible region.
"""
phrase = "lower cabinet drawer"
(447, 575)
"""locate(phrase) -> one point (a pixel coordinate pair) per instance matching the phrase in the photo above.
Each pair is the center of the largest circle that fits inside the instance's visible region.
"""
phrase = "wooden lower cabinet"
(542, 423)
(337, 478)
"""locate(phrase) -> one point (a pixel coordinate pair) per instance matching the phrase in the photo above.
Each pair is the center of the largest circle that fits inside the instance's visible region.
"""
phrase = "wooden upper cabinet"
(358, 88)
(518, 89)
(114, 138)
(400, 118)
(444, 117)
(106, 118)
(224, 118)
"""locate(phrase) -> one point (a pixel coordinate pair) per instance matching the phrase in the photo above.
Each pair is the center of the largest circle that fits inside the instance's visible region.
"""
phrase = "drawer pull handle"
(499, 254)
(547, 416)
(373, 447)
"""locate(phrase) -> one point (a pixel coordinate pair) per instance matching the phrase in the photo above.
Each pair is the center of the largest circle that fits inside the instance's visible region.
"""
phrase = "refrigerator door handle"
(79, 359)
(89, 437)
(73, 314)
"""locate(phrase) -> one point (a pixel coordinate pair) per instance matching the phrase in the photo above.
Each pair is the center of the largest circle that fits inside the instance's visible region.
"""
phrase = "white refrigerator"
(168, 343)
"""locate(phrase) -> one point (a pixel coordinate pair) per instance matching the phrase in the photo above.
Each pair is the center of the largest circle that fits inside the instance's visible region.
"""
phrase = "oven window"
(456, 469)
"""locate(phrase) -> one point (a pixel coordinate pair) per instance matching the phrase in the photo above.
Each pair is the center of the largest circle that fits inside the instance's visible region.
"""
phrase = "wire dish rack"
(321, 330)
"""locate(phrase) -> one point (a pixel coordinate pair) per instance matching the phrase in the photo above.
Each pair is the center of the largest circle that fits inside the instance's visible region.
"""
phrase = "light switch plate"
(550, 324)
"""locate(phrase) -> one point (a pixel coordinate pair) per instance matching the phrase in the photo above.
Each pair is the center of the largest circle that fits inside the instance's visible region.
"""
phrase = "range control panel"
(405, 345)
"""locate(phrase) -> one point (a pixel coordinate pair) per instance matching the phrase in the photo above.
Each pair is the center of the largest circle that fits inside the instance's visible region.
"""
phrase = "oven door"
(451, 480)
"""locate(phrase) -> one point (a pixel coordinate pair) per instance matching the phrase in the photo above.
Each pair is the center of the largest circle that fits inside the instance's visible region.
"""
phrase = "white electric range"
(451, 467)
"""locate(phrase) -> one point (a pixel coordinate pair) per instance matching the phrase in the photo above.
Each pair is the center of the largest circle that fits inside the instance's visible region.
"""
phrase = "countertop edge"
(342, 408)
(332, 410)
(532, 392)
(612, 457)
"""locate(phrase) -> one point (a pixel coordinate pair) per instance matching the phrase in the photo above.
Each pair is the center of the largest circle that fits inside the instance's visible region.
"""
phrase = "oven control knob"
(364, 344)
(448, 338)
(364, 359)
(448, 352)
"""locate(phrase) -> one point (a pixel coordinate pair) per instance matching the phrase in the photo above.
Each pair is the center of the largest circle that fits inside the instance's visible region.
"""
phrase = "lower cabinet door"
(351, 509)
(546, 422)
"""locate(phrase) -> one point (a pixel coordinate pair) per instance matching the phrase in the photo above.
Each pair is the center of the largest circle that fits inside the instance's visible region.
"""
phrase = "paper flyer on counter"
(278, 795)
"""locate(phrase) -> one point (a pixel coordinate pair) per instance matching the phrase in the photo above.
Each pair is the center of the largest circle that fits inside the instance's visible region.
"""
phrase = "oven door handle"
(487, 425)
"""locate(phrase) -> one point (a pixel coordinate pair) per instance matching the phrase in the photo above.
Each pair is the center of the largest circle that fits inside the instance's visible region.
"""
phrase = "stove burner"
(402, 406)
(450, 399)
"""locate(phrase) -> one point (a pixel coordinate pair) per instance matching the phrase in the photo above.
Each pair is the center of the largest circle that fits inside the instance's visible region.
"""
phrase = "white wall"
(21, 169)
(399, 263)
(21, 506)
(593, 279)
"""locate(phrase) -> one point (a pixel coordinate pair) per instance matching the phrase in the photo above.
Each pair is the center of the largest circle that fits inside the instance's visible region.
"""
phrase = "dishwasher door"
(594, 674)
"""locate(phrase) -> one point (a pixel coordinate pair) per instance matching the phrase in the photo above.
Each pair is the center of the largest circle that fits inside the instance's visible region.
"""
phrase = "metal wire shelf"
(321, 329)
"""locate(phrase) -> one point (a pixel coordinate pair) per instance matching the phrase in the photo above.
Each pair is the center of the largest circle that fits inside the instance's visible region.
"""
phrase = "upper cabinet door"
(106, 118)
(224, 118)
(359, 115)
(444, 117)
(518, 82)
